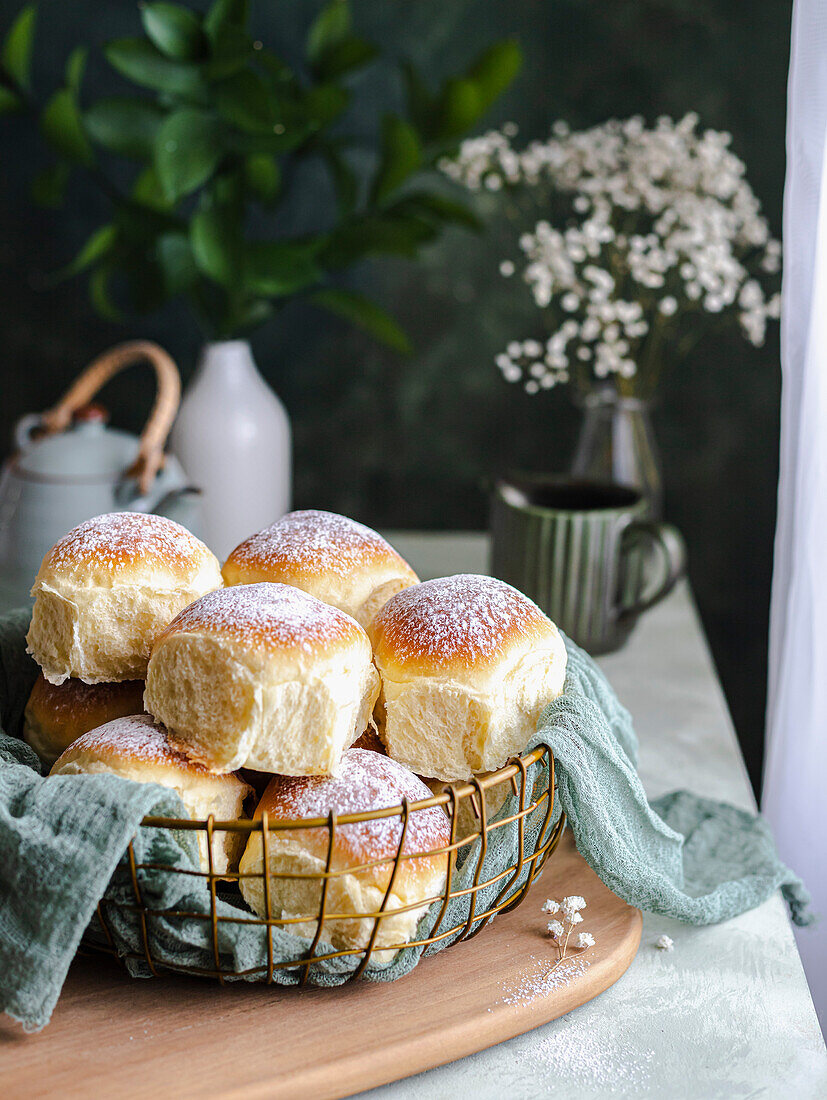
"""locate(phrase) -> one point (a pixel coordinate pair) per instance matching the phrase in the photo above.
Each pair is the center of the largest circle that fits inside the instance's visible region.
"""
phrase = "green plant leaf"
(380, 234)
(216, 244)
(351, 53)
(263, 177)
(9, 103)
(95, 248)
(176, 262)
(246, 101)
(495, 70)
(124, 125)
(139, 225)
(99, 293)
(230, 54)
(188, 149)
(49, 186)
(438, 208)
(225, 15)
(281, 75)
(252, 314)
(140, 62)
(16, 53)
(327, 31)
(75, 68)
(62, 127)
(276, 268)
(364, 314)
(324, 104)
(459, 108)
(344, 179)
(420, 100)
(400, 155)
(147, 191)
(176, 31)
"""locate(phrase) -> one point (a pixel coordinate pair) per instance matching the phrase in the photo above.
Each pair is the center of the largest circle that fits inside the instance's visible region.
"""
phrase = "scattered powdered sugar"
(312, 542)
(544, 976)
(366, 781)
(465, 616)
(592, 1059)
(119, 539)
(135, 738)
(267, 614)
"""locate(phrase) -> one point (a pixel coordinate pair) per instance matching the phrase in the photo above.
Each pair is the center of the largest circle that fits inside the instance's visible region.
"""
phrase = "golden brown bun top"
(72, 708)
(304, 545)
(135, 743)
(118, 545)
(366, 782)
(270, 617)
(458, 623)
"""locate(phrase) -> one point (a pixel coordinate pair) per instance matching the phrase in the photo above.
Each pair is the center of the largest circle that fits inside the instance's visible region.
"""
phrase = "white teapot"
(70, 466)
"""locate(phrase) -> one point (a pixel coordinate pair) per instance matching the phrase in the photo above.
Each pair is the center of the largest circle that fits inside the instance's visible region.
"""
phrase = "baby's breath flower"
(665, 943)
(556, 930)
(574, 902)
(663, 211)
(584, 940)
(551, 906)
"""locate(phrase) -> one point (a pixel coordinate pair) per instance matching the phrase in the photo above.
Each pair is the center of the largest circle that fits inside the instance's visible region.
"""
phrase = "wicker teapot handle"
(153, 437)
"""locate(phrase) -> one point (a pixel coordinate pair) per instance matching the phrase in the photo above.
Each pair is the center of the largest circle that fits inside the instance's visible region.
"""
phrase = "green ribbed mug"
(587, 553)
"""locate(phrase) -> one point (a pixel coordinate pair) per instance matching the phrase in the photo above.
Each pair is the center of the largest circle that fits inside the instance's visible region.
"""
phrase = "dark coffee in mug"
(585, 551)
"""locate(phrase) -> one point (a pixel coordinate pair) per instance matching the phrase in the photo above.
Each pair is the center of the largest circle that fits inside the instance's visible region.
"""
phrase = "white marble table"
(727, 1013)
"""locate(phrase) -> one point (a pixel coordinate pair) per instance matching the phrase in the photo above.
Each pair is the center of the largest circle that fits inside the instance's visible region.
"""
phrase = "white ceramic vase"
(232, 437)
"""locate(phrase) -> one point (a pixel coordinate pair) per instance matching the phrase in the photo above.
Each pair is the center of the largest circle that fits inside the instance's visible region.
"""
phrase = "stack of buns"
(316, 658)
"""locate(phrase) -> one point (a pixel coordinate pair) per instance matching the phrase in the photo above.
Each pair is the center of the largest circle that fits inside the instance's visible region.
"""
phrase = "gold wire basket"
(477, 811)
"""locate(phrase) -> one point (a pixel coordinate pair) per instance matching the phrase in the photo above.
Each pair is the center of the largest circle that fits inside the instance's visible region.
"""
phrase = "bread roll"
(366, 782)
(106, 590)
(136, 748)
(263, 676)
(370, 739)
(469, 821)
(335, 559)
(57, 714)
(467, 665)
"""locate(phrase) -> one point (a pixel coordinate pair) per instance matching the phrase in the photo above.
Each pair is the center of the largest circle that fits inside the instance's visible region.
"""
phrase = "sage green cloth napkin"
(62, 841)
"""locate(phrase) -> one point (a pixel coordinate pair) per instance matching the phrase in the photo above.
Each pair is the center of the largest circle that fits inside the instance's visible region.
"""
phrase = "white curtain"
(795, 775)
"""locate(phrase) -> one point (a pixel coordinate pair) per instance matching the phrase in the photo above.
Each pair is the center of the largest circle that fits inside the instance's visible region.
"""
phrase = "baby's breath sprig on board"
(570, 915)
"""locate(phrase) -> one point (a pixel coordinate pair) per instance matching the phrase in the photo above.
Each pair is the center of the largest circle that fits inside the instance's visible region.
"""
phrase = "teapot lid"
(88, 451)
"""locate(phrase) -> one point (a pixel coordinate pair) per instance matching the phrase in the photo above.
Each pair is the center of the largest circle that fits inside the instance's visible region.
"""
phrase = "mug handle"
(668, 542)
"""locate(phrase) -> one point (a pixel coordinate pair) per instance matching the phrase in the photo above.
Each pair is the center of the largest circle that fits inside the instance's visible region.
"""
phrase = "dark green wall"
(409, 443)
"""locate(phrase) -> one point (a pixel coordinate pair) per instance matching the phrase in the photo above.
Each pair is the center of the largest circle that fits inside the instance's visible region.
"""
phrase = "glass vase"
(617, 443)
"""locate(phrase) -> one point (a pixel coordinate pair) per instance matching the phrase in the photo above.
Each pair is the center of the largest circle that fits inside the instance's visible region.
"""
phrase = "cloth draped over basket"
(63, 839)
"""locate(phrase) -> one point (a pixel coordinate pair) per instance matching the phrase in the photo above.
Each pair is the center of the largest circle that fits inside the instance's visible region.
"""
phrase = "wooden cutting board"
(112, 1035)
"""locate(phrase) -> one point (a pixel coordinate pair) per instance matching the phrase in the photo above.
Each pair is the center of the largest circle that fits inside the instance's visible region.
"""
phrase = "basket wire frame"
(516, 879)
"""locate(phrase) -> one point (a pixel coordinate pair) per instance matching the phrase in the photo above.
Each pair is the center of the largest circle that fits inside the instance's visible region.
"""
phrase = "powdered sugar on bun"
(263, 676)
(270, 616)
(366, 782)
(331, 557)
(464, 620)
(367, 876)
(136, 748)
(467, 665)
(134, 739)
(106, 590)
(312, 542)
(105, 547)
